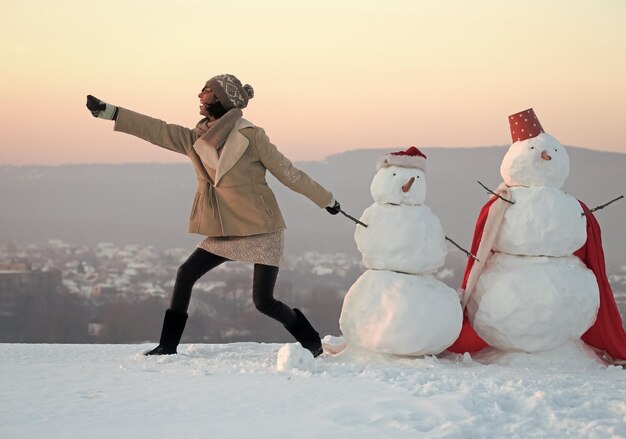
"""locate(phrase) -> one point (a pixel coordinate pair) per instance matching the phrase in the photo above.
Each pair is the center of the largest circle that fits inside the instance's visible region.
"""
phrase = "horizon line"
(23, 165)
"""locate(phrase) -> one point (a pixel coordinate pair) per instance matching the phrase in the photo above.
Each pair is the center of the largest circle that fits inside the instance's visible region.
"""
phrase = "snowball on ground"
(531, 303)
(400, 314)
(333, 345)
(408, 239)
(387, 186)
(523, 165)
(294, 356)
(544, 221)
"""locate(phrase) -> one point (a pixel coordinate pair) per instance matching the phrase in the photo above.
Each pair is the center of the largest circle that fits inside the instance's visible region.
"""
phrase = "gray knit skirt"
(266, 248)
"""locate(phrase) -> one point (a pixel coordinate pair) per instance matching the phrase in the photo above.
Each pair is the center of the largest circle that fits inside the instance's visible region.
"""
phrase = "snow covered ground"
(236, 391)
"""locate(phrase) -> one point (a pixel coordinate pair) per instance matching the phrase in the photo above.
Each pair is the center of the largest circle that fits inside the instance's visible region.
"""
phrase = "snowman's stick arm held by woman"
(493, 193)
(462, 249)
(352, 218)
(587, 212)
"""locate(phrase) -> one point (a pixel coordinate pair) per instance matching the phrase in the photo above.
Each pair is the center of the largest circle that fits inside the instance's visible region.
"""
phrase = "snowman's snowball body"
(408, 239)
(400, 314)
(533, 303)
(544, 221)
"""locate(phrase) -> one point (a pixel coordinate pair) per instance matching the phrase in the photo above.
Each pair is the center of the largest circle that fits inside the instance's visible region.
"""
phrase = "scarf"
(211, 136)
(490, 233)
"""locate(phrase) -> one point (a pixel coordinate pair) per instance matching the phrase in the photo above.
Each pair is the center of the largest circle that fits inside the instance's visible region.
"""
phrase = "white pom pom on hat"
(411, 158)
(248, 88)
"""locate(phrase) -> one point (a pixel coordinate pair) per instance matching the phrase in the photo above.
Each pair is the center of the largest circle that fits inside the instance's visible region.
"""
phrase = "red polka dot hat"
(524, 125)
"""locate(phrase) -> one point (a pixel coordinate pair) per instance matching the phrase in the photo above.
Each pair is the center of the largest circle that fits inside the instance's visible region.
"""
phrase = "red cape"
(606, 334)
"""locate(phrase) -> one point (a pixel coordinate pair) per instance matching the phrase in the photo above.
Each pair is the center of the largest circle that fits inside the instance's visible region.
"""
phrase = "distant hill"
(148, 204)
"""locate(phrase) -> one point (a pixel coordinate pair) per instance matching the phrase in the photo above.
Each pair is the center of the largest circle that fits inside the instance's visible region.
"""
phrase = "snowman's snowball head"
(538, 161)
(398, 185)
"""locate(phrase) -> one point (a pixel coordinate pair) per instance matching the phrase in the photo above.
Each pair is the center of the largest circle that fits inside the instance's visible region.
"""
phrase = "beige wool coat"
(233, 199)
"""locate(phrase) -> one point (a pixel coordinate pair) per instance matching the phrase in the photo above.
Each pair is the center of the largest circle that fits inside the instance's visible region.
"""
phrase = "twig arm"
(353, 218)
(493, 193)
(587, 212)
(462, 249)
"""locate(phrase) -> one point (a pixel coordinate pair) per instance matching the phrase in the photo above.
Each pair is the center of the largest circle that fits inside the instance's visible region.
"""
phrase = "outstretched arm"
(173, 137)
(295, 179)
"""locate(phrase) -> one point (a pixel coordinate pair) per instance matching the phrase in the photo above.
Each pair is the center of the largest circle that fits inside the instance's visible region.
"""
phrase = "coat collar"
(234, 147)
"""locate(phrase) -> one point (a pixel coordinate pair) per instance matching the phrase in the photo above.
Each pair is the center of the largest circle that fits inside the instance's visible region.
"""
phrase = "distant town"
(63, 293)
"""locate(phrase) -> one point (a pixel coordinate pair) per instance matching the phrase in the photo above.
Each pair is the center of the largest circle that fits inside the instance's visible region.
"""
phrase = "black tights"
(201, 261)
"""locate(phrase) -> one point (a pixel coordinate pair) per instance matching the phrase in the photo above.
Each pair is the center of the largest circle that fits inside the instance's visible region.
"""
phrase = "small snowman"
(397, 306)
(529, 292)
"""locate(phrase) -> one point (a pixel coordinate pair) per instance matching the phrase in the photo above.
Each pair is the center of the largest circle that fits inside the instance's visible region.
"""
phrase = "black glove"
(101, 109)
(334, 209)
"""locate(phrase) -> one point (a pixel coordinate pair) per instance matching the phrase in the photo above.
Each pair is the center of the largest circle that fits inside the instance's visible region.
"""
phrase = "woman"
(233, 207)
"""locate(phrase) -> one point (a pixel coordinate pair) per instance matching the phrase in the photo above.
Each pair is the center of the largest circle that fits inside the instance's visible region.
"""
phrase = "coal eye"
(555, 149)
(532, 147)
(418, 176)
(394, 174)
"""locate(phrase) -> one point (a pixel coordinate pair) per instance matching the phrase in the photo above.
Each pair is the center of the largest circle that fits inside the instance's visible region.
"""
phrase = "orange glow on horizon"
(328, 77)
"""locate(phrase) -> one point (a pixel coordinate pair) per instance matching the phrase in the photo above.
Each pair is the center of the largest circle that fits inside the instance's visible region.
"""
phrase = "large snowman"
(397, 306)
(532, 293)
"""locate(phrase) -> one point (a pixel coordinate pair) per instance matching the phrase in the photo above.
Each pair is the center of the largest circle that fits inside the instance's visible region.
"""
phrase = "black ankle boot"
(173, 327)
(305, 334)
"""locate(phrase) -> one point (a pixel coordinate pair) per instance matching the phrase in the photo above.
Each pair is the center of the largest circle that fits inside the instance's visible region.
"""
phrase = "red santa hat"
(411, 158)
(524, 125)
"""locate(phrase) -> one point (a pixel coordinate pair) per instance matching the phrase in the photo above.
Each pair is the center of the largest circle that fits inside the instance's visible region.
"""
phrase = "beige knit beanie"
(230, 92)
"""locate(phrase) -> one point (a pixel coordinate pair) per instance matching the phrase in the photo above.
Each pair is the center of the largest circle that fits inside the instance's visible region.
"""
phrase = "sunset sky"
(329, 76)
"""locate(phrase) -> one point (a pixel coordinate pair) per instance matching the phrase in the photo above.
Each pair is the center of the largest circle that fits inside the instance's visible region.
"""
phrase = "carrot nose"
(545, 155)
(408, 184)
